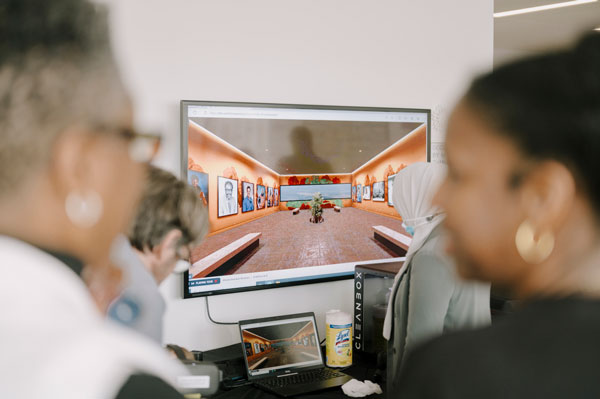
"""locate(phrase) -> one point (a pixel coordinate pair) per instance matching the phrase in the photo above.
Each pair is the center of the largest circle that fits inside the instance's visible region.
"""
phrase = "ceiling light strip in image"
(542, 8)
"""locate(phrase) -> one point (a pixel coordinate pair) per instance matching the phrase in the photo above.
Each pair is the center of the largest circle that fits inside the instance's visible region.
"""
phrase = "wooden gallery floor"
(289, 241)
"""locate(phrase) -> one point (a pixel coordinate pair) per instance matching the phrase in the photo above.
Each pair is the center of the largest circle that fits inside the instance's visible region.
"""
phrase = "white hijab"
(414, 188)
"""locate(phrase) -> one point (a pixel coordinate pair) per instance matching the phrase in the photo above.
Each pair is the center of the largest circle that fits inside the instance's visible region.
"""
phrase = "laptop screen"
(281, 344)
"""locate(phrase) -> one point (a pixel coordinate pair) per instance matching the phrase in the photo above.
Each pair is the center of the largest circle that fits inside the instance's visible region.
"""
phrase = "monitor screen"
(274, 345)
(293, 191)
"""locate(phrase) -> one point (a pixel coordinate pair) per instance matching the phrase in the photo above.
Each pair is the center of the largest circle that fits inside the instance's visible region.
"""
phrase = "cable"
(211, 319)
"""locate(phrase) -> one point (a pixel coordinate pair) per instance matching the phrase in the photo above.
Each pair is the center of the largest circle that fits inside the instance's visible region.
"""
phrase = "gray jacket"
(432, 299)
(140, 305)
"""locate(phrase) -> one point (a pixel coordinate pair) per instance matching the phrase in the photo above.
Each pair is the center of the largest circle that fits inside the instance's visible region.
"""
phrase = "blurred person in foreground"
(171, 219)
(71, 169)
(522, 199)
(428, 297)
(179, 352)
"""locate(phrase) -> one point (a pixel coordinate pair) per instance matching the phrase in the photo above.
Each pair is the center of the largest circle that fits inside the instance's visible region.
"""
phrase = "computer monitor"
(258, 167)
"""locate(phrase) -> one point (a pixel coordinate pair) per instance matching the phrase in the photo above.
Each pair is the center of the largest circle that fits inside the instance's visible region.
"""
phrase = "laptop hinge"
(285, 375)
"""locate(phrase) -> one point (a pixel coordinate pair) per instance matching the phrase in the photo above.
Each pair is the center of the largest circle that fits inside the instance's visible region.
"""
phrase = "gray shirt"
(432, 299)
(140, 306)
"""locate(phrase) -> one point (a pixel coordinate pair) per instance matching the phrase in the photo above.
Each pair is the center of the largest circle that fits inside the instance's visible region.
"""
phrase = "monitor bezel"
(185, 104)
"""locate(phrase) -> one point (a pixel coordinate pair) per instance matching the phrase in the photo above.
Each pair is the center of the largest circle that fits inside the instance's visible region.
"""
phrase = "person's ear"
(167, 248)
(72, 162)
(548, 195)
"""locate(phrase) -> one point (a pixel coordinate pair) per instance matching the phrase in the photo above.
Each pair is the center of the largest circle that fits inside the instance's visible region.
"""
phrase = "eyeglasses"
(143, 147)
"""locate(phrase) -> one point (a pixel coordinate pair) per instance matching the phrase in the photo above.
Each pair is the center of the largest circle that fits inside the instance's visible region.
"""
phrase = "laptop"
(283, 355)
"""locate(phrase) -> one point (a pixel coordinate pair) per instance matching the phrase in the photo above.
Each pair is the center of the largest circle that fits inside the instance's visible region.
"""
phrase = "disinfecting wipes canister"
(338, 339)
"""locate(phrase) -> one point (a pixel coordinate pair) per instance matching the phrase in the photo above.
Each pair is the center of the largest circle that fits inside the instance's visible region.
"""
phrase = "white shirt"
(54, 343)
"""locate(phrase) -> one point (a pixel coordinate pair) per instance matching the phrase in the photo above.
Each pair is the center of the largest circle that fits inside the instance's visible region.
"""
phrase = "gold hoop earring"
(531, 250)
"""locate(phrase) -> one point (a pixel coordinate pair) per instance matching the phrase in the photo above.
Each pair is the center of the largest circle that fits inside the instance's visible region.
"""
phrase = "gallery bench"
(255, 365)
(229, 254)
(392, 239)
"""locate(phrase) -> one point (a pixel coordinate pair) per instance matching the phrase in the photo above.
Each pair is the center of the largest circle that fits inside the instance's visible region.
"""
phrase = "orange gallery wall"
(412, 148)
(255, 339)
(211, 155)
(306, 331)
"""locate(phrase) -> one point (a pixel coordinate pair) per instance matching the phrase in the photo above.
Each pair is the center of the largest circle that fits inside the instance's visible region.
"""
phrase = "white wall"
(393, 53)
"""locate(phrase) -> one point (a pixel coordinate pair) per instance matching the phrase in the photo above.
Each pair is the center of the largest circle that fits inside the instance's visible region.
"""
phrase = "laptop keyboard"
(305, 377)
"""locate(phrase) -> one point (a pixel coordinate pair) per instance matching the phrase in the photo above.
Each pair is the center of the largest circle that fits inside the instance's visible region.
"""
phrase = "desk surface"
(361, 370)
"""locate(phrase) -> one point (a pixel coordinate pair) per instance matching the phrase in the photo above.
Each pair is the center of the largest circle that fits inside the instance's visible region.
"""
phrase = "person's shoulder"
(432, 258)
(435, 242)
(537, 341)
(478, 349)
(442, 366)
(450, 345)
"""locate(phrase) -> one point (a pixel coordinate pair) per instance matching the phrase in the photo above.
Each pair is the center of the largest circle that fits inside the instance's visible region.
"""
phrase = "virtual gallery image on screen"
(275, 345)
(266, 170)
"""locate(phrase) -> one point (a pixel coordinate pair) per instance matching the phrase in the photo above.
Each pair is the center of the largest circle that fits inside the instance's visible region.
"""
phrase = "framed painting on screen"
(248, 196)
(269, 197)
(379, 191)
(227, 196)
(390, 190)
(199, 180)
(261, 197)
(366, 193)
